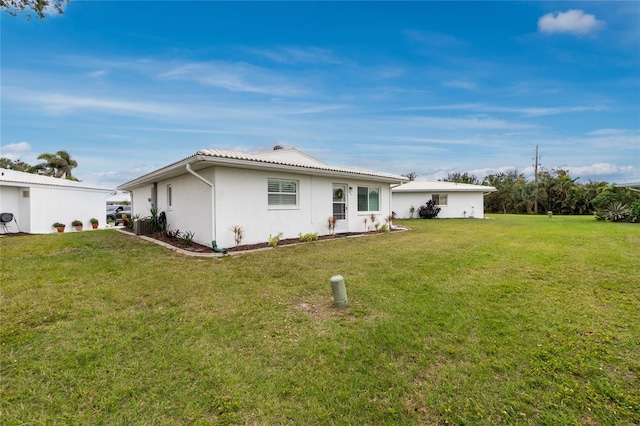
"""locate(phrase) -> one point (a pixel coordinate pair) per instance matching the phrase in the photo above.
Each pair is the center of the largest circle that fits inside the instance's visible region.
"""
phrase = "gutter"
(213, 207)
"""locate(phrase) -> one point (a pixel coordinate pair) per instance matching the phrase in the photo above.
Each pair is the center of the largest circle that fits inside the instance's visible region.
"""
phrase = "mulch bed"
(199, 248)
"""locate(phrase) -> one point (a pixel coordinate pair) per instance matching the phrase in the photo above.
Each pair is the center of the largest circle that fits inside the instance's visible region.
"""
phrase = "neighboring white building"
(283, 190)
(456, 200)
(38, 201)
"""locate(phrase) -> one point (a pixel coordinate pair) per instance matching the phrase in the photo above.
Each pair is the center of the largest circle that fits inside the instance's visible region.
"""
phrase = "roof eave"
(253, 165)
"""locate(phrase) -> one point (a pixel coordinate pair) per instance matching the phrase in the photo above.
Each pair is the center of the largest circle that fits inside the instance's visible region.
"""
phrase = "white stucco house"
(37, 201)
(456, 200)
(280, 191)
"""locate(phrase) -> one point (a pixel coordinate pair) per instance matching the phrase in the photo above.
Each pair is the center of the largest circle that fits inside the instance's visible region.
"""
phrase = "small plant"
(172, 234)
(616, 212)
(274, 240)
(58, 225)
(383, 228)
(76, 222)
(331, 224)
(186, 238)
(308, 237)
(429, 210)
(389, 220)
(238, 234)
(128, 222)
(412, 211)
(93, 220)
(156, 221)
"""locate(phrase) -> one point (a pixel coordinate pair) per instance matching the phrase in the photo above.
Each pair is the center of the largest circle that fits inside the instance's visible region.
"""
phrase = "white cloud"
(522, 111)
(295, 55)
(15, 151)
(235, 77)
(461, 84)
(572, 21)
(602, 169)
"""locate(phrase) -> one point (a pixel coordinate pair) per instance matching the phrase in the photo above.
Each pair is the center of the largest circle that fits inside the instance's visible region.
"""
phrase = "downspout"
(213, 209)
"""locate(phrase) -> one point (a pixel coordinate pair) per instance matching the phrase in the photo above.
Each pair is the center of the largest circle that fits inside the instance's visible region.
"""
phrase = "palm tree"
(57, 165)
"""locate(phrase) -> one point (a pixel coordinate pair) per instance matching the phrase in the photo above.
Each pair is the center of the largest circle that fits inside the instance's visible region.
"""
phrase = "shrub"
(616, 212)
(634, 212)
(76, 222)
(308, 237)
(429, 210)
(238, 234)
(156, 221)
(331, 224)
(58, 225)
(274, 240)
(186, 238)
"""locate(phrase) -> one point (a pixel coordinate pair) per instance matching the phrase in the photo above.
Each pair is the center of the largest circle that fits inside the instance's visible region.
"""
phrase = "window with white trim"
(368, 198)
(439, 199)
(282, 193)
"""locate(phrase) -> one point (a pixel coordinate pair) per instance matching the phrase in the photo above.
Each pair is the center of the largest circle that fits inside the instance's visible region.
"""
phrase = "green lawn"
(514, 319)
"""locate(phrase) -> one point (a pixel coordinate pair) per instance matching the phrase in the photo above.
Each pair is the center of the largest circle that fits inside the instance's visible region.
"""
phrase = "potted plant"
(94, 223)
(59, 226)
(77, 224)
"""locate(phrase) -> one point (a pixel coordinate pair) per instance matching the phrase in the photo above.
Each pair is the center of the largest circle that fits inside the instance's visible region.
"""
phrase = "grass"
(510, 320)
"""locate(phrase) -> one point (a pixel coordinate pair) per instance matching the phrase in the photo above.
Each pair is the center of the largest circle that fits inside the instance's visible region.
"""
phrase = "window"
(368, 199)
(439, 199)
(169, 197)
(282, 193)
(25, 194)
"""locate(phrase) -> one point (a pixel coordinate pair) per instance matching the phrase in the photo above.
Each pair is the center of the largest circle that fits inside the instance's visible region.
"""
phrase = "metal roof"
(15, 178)
(439, 186)
(288, 160)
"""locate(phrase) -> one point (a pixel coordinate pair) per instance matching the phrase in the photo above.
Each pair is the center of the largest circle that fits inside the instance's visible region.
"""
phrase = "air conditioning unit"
(141, 227)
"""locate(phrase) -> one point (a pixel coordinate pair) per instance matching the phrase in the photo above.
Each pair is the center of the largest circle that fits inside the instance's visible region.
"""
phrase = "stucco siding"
(459, 204)
(241, 198)
(10, 203)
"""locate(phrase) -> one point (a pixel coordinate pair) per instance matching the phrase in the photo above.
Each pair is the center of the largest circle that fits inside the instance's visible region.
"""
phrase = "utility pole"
(535, 179)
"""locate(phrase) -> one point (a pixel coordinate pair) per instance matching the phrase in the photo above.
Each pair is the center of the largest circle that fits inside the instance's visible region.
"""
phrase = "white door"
(340, 207)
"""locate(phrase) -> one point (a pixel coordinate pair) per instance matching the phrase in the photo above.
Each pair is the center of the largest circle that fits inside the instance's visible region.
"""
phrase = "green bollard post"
(339, 291)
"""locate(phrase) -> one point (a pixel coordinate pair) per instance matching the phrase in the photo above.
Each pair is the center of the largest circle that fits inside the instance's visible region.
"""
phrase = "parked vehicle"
(115, 212)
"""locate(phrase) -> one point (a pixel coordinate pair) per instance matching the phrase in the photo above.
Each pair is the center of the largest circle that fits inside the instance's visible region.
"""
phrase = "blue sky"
(425, 87)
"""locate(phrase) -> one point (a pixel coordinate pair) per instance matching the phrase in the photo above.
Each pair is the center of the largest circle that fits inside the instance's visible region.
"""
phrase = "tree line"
(58, 165)
(556, 191)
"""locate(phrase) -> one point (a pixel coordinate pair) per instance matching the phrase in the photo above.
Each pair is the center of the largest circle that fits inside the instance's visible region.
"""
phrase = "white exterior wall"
(43, 205)
(64, 205)
(10, 203)
(241, 199)
(457, 204)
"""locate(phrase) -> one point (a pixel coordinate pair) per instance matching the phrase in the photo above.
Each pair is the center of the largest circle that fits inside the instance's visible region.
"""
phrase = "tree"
(18, 165)
(411, 176)
(57, 165)
(508, 185)
(462, 178)
(39, 7)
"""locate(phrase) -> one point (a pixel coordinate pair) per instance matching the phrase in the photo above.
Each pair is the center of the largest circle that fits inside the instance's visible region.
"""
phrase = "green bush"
(429, 210)
(634, 212)
(308, 237)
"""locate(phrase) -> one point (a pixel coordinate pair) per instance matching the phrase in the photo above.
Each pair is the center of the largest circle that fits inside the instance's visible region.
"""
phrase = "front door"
(340, 207)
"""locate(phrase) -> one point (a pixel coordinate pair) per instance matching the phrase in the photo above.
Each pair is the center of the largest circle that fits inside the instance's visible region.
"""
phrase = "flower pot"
(78, 228)
(94, 225)
(60, 228)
